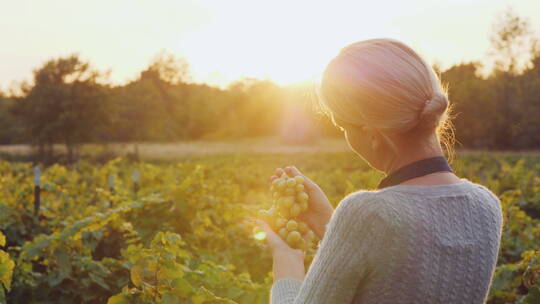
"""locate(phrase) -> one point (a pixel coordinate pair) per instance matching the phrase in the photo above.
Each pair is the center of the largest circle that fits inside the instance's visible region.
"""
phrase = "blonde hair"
(385, 85)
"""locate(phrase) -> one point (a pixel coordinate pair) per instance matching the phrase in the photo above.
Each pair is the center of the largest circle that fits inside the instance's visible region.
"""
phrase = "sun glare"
(260, 235)
(283, 41)
(276, 44)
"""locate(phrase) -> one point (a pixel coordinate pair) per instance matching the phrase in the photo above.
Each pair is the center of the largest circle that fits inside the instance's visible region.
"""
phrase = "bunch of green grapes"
(289, 200)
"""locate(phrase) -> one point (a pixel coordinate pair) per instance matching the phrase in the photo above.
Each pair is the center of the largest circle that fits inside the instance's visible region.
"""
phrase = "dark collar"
(415, 169)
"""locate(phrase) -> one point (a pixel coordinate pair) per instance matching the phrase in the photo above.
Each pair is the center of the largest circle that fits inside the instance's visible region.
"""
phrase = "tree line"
(70, 102)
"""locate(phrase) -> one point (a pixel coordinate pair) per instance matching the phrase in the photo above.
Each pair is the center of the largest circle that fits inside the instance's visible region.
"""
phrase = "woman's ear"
(374, 137)
(367, 143)
(360, 139)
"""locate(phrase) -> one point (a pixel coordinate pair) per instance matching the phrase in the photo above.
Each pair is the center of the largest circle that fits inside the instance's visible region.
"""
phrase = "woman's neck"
(411, 152)
(407, 159)
(419, 152)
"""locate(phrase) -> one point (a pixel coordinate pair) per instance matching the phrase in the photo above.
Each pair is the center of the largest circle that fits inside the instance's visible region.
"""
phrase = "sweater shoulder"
(491, 200)
(368, 203)
(485, 190)
(358, 199)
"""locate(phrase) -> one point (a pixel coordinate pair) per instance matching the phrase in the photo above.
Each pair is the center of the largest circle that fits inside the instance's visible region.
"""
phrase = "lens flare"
(259, 234)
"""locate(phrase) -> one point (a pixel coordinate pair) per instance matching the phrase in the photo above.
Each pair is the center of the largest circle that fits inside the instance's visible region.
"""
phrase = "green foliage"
(167, 273)
(6, 270)
(182, 238)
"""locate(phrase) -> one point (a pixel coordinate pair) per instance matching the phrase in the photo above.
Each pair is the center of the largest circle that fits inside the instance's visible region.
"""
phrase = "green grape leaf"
(98, 280)
(182, 287)
(169, 298)
(118, 299)
(35, 247)
(6, 269)
(63, 261)
(136, 277)
(198, 299)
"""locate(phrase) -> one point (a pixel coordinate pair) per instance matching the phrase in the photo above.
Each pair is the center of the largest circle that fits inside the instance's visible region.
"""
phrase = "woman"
(426, 235)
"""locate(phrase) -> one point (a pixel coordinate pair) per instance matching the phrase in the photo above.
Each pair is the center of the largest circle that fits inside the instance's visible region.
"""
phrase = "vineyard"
(180, 234)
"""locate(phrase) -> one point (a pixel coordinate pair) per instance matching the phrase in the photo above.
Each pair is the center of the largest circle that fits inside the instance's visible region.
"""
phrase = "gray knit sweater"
(404, 244)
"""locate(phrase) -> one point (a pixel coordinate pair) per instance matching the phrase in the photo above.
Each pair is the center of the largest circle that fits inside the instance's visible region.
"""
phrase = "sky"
(284, 41)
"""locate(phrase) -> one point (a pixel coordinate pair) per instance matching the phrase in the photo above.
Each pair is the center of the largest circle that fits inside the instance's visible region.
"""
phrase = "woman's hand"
(319, 209)
(288, 262)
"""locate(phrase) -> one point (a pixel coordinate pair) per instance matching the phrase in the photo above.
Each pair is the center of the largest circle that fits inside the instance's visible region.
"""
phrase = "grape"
(285, 212)
(302, 227)
(281, 222)
(283, 233)
(302, 244)
(289, 191)
(293, 237)
(292, 225)
(310, 236)
(291, 182)
(289, 201)
(302, 197)
(295, 210)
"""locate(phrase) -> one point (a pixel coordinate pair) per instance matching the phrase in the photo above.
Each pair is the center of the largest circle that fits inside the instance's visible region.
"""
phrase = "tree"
(146, 109)
(10, 132)
(471, 96)
(513, 46)
(66, 104)
(512, 43)
(169, 68)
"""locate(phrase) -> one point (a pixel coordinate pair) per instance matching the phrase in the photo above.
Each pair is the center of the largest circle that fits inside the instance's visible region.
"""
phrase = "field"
(180, 235)
(175, 151)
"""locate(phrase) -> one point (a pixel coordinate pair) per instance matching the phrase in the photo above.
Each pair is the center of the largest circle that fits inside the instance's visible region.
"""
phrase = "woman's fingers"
(289, 170)
(277, 174)
(292, 170)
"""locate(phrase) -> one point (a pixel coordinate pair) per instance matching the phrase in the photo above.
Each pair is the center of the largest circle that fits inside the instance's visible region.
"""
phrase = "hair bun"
(434, 111)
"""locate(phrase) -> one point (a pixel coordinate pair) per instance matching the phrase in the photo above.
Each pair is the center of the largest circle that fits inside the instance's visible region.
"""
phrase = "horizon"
(248, 41)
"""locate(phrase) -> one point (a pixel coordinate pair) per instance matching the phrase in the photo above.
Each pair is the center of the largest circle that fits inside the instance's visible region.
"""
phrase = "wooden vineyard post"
(111, 187)
(37, 190)
(136, 178)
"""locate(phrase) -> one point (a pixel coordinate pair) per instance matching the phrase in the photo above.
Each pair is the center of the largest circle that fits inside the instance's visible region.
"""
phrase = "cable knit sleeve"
(353, 234)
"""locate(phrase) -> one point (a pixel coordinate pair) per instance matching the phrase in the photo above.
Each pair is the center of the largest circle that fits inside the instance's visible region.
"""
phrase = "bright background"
(286, 41)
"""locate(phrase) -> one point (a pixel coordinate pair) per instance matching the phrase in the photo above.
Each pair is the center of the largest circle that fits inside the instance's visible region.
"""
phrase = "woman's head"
(387, 98)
